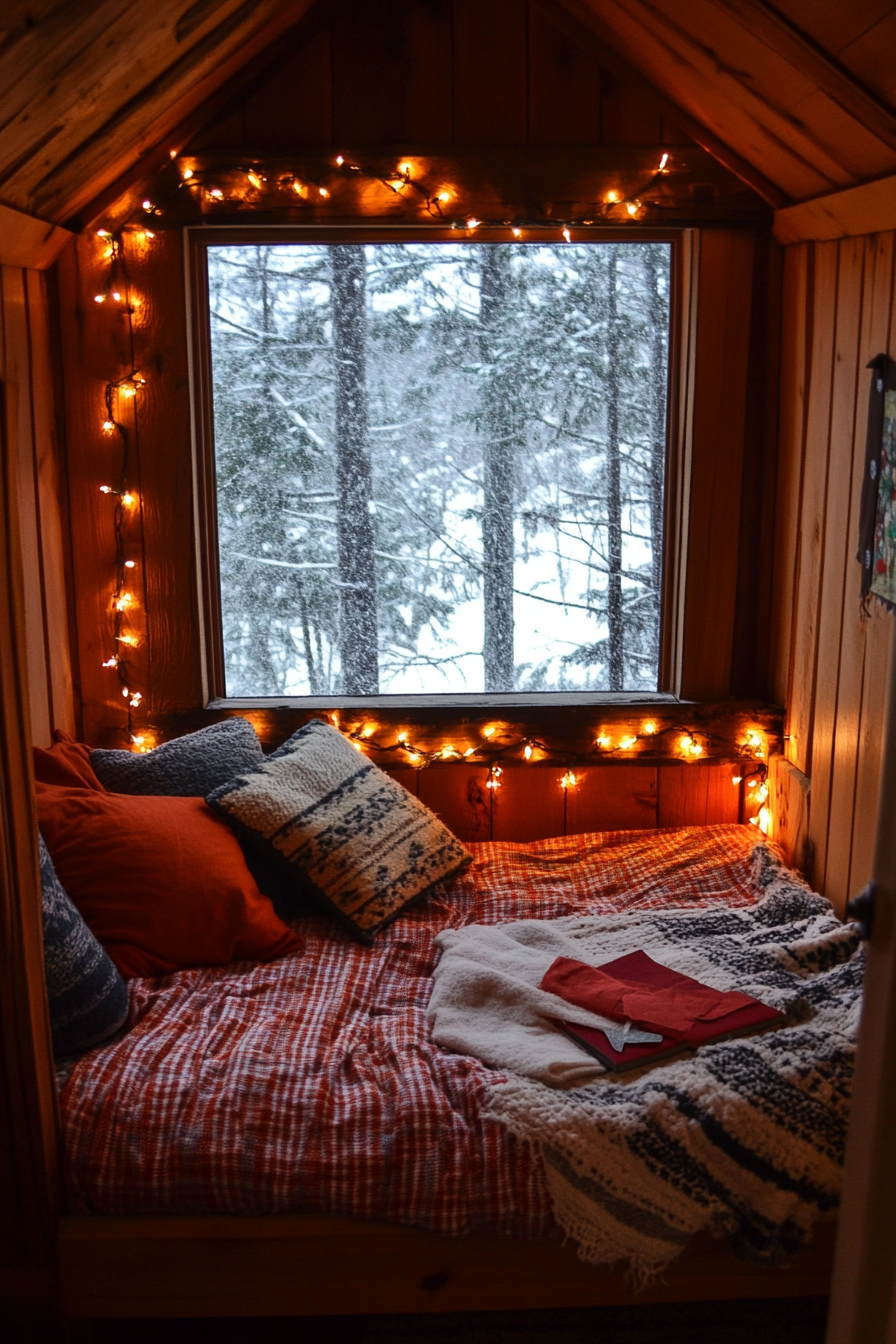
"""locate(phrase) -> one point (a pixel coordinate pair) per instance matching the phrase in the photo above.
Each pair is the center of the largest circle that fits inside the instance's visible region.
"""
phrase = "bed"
(287, 1138)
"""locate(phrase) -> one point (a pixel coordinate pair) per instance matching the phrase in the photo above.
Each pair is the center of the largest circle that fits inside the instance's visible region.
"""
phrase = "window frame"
(680, 378)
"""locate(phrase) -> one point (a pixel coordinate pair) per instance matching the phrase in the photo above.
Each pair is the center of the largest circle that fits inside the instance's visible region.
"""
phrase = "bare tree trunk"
(498, 475)
(615, 631)
(354, 485)
(657, 395)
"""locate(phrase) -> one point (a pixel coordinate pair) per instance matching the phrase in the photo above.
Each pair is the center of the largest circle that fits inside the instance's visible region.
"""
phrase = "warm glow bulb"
(569, 780)
(322, 191)
(106, 490)
(255, 180)
(494, 777)
(103, 233)
(444, 197)
(649, 727)
(188, 173)
(99, 298)
(130, 564)
(566, 234)
(737, 779)
(405, 169)
(340, 160)
(489, 731)
(473, 223)
(124, 601)
(632, 208)
(414, 758)
(135, 699)
(517, 233)
(603, 742)
(128, 499)
(627, 743)
(147, 205)
(111, 662)
(108, 426)
(663, 161)
(765, 820)
(527, 751)
(402, 738)
(216, 193)
(612, 197)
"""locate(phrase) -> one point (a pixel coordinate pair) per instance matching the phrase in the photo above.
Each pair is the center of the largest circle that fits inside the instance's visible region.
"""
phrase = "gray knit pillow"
(87, 996)
(186, 767)
(349, 834)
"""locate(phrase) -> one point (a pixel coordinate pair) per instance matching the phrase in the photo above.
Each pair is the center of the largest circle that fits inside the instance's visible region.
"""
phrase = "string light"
(117, 291)
(408, 182)
(627, 743)
(649, 728)
(494, 777)
(569, 780)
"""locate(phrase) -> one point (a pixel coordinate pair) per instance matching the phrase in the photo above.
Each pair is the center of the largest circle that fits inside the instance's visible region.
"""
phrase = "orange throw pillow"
(161, 882)
(66, 762)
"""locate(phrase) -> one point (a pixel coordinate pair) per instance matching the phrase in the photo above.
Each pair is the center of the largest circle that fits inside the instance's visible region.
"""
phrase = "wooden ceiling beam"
(580, 16)
(730, 79)
(783, 37)
(75, 165)
(869, 208)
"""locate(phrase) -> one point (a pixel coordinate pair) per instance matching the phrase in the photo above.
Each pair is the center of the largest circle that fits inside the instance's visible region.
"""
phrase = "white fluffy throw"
(486, 1001)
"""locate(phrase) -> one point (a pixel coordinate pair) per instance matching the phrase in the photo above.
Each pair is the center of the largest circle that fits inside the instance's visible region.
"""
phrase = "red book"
(639, 969)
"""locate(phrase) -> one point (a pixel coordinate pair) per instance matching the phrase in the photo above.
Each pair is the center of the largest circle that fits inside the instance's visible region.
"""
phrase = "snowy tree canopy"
(439, 465)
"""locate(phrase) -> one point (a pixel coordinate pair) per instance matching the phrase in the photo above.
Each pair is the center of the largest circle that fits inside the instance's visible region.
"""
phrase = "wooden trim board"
(308, 1266)
(869, 208)
(26, 241)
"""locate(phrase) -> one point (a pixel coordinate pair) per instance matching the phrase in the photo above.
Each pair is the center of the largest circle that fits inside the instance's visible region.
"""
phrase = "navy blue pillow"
(185, 767)
(88, 998)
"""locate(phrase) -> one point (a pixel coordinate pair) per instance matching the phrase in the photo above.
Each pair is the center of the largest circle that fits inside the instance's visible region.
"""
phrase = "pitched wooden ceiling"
(803, 91)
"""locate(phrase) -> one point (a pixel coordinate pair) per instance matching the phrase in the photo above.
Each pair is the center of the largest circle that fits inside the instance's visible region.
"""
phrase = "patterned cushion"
(88, 998)
(352, 836)
(186, 767)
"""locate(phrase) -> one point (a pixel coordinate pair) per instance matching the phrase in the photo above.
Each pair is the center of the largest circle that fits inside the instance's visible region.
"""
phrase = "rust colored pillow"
(67, 762)
(161, 882)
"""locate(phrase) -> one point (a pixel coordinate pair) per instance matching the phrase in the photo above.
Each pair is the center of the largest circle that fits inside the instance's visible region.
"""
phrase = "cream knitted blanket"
(746, 1138)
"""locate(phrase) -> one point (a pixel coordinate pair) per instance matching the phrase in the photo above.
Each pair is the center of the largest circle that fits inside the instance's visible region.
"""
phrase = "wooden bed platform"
(311, 1266)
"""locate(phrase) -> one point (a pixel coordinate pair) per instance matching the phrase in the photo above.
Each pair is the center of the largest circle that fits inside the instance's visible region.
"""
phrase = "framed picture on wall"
(877, 524)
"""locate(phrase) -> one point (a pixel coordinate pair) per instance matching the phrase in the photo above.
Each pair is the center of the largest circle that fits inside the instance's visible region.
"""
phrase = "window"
(439, 466)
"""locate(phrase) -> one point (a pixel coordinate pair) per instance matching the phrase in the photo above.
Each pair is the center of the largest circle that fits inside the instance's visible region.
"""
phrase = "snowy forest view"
(440, 465)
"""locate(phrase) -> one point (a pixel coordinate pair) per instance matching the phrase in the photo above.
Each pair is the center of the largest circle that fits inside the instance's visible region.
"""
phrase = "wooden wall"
(27, 373)
(830, 657)
(420, 73)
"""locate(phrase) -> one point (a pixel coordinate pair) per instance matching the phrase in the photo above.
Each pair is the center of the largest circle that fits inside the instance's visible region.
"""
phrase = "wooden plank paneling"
(876, 312)
(724, 306)
(810, 541)
(795, 341)
(48, 469)
(391, 78)
(839, 545)
(29, 1136)
(489, 72)
(458, 795)
(838, 314)
(789, 807)
(616, 798)
(529, 804)
(696, 795)
(20, 431)
(564, 86)
(293, 107)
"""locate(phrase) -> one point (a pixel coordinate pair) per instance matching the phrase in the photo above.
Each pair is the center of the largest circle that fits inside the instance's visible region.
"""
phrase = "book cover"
(639, 968)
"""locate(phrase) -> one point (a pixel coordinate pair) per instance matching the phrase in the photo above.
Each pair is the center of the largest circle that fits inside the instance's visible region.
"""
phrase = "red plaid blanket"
(312, 1084)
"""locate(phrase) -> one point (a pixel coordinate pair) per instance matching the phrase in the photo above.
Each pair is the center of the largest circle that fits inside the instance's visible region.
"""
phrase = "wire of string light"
(117, 295)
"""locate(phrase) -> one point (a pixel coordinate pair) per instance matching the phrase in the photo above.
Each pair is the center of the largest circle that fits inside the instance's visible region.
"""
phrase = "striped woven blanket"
(744, 1139)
